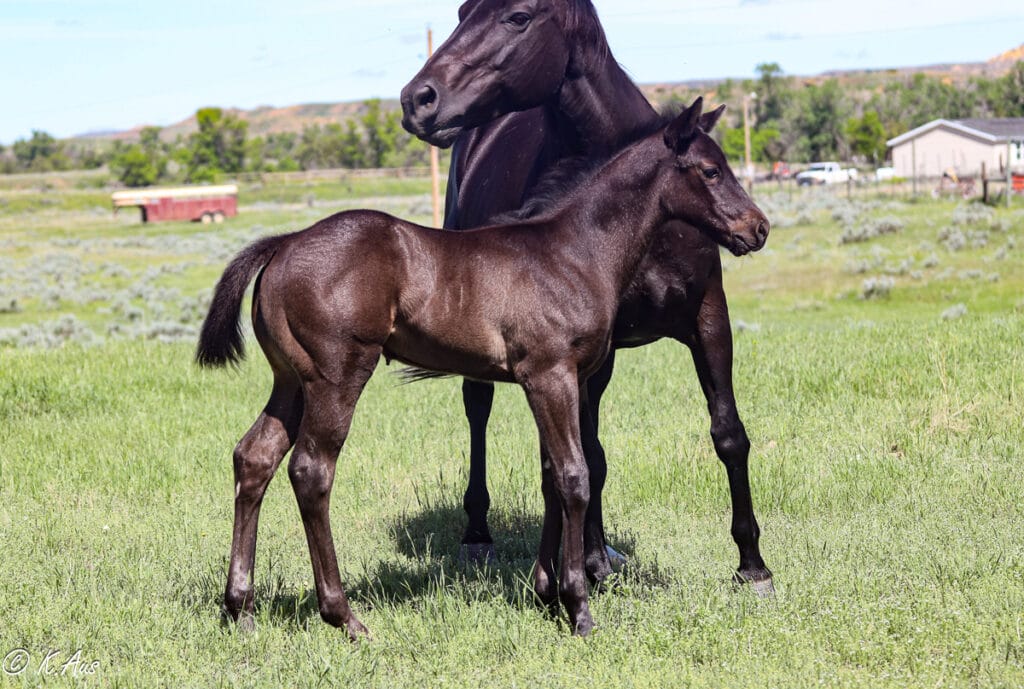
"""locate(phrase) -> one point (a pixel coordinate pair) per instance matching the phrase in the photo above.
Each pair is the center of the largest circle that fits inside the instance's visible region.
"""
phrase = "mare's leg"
(322, 433)
(712, 357)
(256, 458)
(477, 544)
(554, 400)
(598, 564)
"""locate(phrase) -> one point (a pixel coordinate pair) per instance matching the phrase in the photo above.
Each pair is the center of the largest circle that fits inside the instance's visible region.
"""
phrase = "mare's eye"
(519, 20)
(712, 173)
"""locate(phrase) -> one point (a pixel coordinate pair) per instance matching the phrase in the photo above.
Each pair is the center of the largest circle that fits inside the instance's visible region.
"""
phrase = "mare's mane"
(584, 28)
(554, 188)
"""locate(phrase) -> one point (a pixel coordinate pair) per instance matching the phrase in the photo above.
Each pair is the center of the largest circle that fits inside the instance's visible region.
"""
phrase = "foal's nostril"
(762, 230)
(425, 98)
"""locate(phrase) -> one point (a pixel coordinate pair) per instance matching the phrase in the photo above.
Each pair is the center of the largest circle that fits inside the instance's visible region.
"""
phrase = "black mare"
(517, 87)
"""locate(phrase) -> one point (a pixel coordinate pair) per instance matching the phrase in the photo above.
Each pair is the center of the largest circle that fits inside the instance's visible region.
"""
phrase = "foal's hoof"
(616, 559)
(478, 554)
(357, 631)
(246, 623)
(243, 621)
(760, 583)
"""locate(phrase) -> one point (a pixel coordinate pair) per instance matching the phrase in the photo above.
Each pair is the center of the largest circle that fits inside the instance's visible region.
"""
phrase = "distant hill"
(294, 118)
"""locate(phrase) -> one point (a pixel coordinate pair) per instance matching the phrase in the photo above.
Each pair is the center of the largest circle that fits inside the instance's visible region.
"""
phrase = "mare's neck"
(598, 105)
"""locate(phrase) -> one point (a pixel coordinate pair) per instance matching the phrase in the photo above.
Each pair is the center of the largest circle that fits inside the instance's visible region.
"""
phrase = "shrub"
(954, 312)
(877, 288)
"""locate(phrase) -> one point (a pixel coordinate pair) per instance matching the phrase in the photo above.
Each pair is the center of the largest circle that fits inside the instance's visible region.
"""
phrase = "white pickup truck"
(825, 173)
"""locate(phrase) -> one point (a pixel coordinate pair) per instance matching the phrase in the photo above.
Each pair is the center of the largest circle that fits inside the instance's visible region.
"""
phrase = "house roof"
(994, 130)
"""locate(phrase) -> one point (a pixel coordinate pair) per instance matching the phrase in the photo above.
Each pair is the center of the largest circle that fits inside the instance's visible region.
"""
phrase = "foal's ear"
(709, 119)
(683, 128)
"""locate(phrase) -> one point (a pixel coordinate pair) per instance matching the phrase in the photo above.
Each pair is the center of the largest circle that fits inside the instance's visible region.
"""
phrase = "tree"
(772, 92)
(866, 136)
(381, 133)
(908, 103)
(762, 142)
(1008, 92)
(218, 146)
(134, 167)
(819, 114)
(41, 153)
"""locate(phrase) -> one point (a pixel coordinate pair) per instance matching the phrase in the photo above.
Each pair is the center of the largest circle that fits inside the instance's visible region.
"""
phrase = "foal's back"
(444, 301)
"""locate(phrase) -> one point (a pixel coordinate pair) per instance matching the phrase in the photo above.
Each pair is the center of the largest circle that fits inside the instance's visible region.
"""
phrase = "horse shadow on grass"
(428, 544)
(425, 562)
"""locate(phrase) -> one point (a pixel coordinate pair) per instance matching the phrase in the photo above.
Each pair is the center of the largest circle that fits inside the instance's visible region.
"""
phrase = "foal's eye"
(712, 173)
(519, 20)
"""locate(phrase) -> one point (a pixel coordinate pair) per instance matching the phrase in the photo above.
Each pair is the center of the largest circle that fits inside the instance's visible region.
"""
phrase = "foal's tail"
(221, 341)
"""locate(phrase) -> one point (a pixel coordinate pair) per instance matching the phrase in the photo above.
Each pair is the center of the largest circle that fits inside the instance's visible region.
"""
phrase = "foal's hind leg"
(712, 357)
(322, 433)
(257, 456)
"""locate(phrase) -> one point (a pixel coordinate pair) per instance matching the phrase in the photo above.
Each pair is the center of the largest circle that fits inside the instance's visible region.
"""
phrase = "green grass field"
(880, 381)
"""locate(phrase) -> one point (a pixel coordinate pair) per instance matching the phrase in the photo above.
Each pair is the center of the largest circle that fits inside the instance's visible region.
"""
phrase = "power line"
(811, 37)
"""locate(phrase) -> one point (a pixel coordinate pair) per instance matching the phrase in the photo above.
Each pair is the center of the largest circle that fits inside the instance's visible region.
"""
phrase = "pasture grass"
(886, 469)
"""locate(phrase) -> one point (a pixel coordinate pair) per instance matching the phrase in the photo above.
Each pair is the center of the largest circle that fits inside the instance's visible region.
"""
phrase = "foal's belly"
(453, 347)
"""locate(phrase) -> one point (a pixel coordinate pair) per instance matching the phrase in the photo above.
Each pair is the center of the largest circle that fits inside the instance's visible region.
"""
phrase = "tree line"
(221, 147)
(835, 119)
(791, 119)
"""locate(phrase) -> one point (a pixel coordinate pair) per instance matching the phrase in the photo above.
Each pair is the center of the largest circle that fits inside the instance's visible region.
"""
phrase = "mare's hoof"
(615, 558)
(763, 588)
(583, 627)
(478, 554)
(759, 582)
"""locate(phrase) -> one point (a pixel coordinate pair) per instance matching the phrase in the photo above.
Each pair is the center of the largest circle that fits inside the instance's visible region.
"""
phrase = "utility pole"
(749, 168)
(1009, 171)
(435, 164)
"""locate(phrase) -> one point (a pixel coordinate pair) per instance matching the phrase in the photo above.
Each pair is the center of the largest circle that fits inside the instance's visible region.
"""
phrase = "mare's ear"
(683, 128)
(709, 119)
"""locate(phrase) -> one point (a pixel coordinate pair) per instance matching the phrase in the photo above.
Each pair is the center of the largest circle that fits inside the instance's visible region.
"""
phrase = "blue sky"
(75, 66)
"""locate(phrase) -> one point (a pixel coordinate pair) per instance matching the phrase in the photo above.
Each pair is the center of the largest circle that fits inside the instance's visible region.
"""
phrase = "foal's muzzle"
(752, 236)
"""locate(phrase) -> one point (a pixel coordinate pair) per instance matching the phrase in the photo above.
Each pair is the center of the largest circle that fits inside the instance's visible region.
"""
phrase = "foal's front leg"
(597, 552)
(477, 544)
(554, 400)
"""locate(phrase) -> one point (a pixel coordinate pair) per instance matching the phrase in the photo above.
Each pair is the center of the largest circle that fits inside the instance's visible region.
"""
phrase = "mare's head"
(504, 56)
(700, 188)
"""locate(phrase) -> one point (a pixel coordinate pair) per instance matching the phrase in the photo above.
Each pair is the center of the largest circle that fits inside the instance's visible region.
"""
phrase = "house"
(961, 145)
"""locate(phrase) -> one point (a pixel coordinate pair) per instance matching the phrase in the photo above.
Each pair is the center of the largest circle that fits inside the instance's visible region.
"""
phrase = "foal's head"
(504, 56)
(700, 188)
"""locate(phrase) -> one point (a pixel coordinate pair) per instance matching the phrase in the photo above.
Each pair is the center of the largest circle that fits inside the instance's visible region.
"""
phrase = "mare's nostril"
(762, 230)
(425, 98)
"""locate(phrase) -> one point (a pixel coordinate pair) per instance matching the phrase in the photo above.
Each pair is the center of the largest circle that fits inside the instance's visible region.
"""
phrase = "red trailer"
(202, 204)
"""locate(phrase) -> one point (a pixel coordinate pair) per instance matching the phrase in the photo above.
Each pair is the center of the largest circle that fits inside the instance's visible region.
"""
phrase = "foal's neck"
(616, 213)
(599, 105)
